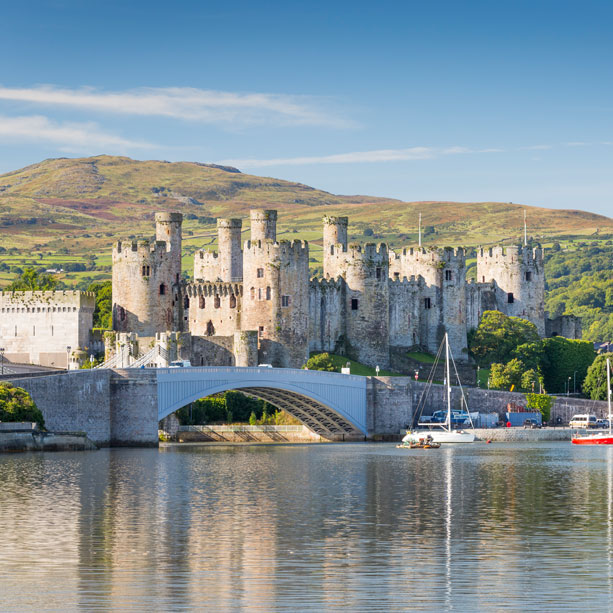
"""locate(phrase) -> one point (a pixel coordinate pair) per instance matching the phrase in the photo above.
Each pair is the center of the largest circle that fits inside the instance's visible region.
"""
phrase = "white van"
(583, 421)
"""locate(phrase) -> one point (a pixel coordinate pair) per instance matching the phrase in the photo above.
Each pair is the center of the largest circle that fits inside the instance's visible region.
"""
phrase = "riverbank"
(13, 441)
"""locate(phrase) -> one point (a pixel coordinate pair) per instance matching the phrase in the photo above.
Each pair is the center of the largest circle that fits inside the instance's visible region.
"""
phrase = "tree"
(530, 380)
(531, 354)
(320, 361)
(565, 363)
(540, 402)
(103, 317)
(505, 376)
(595, 383)
(31, 280)
(498, 336)
(17, 405)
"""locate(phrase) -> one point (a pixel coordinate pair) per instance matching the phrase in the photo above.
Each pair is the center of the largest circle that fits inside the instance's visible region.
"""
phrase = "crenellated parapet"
(213, 288)
(206, 265)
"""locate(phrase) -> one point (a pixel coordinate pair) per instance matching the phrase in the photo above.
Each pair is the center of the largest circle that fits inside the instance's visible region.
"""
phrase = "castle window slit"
(268, 293)
(162, 290)
(427, 303)
(354, 304)
(510, 298)
(232, 301)
(217, 302)
(201, 302)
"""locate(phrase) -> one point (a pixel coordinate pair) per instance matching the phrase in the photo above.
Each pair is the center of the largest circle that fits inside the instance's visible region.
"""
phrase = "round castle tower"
(263, 225)
(519, 278)
(334, 243)
(230, 252)
(145, 279)
(276, 294)
(367, 303)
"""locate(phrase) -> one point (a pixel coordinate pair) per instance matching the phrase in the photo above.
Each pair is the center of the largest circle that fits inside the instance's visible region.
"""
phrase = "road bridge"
(124, 406)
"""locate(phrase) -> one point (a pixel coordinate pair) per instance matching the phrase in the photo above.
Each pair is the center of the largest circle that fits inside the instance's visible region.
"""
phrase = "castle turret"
(276, 300)
(519, 281)
(230, 252)
(263, 225)
(168, 230)
(334, 243)
(146, 278)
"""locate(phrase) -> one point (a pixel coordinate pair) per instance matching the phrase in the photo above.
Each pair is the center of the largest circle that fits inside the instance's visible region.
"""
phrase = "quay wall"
(247, 434)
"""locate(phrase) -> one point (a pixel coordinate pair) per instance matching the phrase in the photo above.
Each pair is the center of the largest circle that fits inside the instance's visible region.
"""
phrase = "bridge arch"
(328, 403)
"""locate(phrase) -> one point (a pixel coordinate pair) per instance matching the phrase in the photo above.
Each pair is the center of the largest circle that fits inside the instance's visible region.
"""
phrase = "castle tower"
(334, 244)
(263, 225)
(519, 281)
(230, 252)
(367, 304)
(276, 300)
(442, 305)
(145, 280)
(168, 230)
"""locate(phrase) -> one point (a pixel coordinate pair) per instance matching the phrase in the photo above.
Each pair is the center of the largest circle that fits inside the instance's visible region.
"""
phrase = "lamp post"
(575, 382)
(568, 387)
(377, 369)
(478, 369)
(1, 360)
(68, 348)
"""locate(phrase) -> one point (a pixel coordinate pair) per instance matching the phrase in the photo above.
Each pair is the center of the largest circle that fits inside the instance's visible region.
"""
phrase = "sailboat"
(599, 438)
(446, 433)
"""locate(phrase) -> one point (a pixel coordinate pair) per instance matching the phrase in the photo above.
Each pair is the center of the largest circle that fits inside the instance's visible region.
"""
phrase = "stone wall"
(327, 315)
(390, 404)
(214, 308)
(38, 327)
(79, 401)
(134, 408)
(212, 351)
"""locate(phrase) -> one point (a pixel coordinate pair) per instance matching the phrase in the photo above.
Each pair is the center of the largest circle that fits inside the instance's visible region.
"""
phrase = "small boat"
(446, 434)
(424, 442)
(598, 438)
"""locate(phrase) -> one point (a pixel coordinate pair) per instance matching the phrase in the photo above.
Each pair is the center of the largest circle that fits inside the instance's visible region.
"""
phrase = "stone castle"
(255, 302)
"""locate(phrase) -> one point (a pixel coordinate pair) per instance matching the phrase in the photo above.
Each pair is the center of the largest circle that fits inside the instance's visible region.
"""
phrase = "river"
(358, 527)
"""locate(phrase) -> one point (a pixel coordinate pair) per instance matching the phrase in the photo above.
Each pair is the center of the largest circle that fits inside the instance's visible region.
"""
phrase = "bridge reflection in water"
(328, 403)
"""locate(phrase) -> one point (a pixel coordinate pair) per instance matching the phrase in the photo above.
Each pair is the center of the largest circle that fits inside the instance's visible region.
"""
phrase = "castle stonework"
(45, 327)
(255, 303)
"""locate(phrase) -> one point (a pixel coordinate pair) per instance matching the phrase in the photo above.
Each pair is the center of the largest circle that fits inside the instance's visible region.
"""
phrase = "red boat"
(598, 438)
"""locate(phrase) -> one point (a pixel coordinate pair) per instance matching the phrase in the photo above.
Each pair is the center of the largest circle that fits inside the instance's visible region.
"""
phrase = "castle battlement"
(142, 248)
(292, 248)
(413, 280)
(205, 254)
(327, 283)
(430, 254)
(213, 288)
(512, 252)
(46, 301)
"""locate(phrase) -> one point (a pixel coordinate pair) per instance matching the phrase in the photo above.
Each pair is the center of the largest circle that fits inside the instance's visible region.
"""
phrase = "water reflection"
(359, 527)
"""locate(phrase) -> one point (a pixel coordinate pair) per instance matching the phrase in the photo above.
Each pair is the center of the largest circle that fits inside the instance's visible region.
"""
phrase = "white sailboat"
(446, 433)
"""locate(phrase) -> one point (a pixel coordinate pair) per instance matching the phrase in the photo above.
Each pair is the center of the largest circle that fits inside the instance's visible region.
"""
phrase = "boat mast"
(448, 381)
(609, 390)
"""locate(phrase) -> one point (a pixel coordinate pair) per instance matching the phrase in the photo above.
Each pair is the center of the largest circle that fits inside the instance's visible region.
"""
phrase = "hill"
(65, 210)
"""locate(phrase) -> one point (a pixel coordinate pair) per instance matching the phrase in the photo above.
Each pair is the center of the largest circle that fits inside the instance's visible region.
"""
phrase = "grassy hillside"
(67, 210)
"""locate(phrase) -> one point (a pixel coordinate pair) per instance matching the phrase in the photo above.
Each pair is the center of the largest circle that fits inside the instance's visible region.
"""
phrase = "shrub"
(595, 383)
(320, 361)
(540, 402)
(17, 405)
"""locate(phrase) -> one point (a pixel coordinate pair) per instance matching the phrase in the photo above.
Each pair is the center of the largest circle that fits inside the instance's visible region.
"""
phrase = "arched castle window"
(146, 271)
(448, 275)
(528, 275)
(427, 303)
(201, 302)
(268, 293)
(217, 301)
(331, 249)
(260, 273)
(232, 301)
(252, 291)
(186, 302)
(210, 328)
(259, 293)
(162, 289)
(510, 298)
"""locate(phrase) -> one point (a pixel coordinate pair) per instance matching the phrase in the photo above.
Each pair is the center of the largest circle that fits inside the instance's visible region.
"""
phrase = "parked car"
(531, 423)
(602, 423)
(583, 421)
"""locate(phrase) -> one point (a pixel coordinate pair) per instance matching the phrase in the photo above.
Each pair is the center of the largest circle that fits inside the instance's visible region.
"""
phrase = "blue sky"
(468, 101)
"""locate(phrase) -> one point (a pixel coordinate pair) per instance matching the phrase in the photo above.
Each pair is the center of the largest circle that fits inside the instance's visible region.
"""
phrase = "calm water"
(322, 527)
